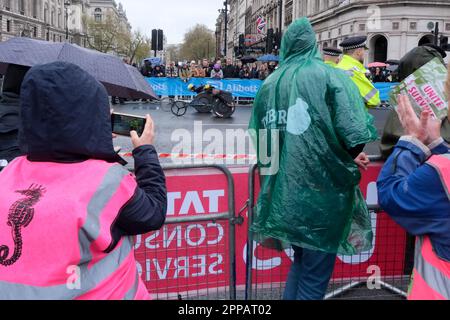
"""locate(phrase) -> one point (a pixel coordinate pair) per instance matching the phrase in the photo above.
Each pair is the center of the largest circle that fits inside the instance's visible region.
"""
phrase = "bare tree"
(135, 46)
(199, 43)
(103, 35)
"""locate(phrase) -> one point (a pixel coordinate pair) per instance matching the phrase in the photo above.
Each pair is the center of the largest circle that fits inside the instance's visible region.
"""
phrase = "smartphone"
(122, 124)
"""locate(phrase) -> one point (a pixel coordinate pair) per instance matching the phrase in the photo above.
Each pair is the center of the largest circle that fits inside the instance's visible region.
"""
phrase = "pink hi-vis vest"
(55, 226)
(431, 278)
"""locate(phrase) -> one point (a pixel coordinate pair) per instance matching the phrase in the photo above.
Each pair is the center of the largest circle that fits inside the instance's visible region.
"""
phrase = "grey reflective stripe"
(131, 294)
(370, 95)
(441, 176)
(350, 73)
(91, 228)
(89, 278)
(434, 278)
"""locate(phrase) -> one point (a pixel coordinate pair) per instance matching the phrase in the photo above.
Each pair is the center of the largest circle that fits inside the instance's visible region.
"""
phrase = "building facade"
(100, 9)
(41, 19)
(393, 27)
(54, 20)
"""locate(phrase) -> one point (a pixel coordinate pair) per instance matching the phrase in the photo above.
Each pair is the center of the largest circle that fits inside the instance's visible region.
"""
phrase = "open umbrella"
(154, 61)
(393, 62)
(269, 58)
(248, 59)
(377, 65)
(392, 67)
(117, 77)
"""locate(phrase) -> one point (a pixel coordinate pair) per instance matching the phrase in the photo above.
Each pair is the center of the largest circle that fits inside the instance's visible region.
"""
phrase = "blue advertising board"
(241, 88)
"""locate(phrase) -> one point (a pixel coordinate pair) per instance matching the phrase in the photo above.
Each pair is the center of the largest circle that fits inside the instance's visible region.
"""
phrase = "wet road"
(197, 133)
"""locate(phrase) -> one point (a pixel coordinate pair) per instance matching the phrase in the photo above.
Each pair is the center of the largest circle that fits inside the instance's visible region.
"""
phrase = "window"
(395, 25)
(413, 25)
(447, 27)
(22, 7)
(351, 28)
(362, 27)
(98, 15)
(34, 32)
(46, 14)
(8, 25)
(35, 9)
(52, 21)
(7, 5)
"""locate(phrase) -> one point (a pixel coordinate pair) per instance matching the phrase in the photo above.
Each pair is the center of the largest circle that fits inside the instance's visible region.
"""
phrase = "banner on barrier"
(385, 89)
(241, 88)
(176, 87)
(194, 256)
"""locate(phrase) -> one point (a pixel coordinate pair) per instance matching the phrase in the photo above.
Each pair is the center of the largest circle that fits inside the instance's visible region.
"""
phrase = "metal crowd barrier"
(386, 278)
(187, 288)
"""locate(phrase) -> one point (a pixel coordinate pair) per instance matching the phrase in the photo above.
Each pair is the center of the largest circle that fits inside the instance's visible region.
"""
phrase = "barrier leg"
(251, 201)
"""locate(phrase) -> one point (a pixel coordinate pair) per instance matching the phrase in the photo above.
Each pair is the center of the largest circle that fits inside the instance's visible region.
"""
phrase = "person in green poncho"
(309, 125)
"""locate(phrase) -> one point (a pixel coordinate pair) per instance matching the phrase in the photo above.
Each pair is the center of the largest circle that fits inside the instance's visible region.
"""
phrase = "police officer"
(353, 63)
(331, 56)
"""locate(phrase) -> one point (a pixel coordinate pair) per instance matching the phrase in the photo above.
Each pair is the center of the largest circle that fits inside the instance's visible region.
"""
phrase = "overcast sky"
(175, 17)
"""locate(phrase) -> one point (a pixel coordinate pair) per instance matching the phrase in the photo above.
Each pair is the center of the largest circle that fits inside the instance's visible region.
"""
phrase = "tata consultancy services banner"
(241, 88)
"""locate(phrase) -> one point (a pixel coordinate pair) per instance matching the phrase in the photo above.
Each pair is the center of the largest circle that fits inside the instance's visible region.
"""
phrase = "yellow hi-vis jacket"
(357, 72)
(331, 63)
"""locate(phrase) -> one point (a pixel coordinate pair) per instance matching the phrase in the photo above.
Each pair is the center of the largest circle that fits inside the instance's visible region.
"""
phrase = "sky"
(175, 17)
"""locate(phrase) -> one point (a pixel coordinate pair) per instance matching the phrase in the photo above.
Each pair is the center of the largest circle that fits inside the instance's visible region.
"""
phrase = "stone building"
(393, 27)
(55, 20)
(41, 19)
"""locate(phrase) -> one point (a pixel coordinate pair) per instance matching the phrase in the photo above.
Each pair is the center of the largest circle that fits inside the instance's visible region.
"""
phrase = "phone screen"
(123, 124)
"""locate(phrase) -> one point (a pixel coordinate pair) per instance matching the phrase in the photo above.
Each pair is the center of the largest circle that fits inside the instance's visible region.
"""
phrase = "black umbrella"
(248, 59)
(119, 79)
(393, 62)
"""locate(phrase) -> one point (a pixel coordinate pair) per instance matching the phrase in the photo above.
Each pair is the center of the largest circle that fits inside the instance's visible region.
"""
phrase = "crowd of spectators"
(216, 69)
(382, 74)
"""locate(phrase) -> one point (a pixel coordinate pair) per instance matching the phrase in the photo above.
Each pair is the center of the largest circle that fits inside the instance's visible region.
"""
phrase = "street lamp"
(224, 11)
(280, 15)
(66, 6)
(280, 24)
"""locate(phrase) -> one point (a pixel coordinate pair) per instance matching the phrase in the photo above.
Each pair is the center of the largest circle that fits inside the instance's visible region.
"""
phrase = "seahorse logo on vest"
(20, 215)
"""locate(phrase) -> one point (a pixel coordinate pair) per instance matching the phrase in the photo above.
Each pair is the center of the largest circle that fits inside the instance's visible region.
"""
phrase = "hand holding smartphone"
(123, 124)
(140, 129)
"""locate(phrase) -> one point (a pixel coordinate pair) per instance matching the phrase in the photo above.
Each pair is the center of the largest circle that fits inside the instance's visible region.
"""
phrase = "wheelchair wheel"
(179, 108)
(202, 104)
(223, 110)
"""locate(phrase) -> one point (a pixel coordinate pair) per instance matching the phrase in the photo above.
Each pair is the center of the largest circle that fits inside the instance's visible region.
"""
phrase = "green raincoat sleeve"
(305, 118)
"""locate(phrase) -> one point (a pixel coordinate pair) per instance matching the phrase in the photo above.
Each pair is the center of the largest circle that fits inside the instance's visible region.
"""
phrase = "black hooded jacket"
(10, 112)
(66, 119)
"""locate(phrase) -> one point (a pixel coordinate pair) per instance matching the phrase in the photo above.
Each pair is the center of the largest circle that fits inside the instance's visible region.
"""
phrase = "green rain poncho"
(310, 195)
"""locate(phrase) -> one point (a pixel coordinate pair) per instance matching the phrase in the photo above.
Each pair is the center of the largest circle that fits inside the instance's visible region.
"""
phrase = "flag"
(260, 24)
